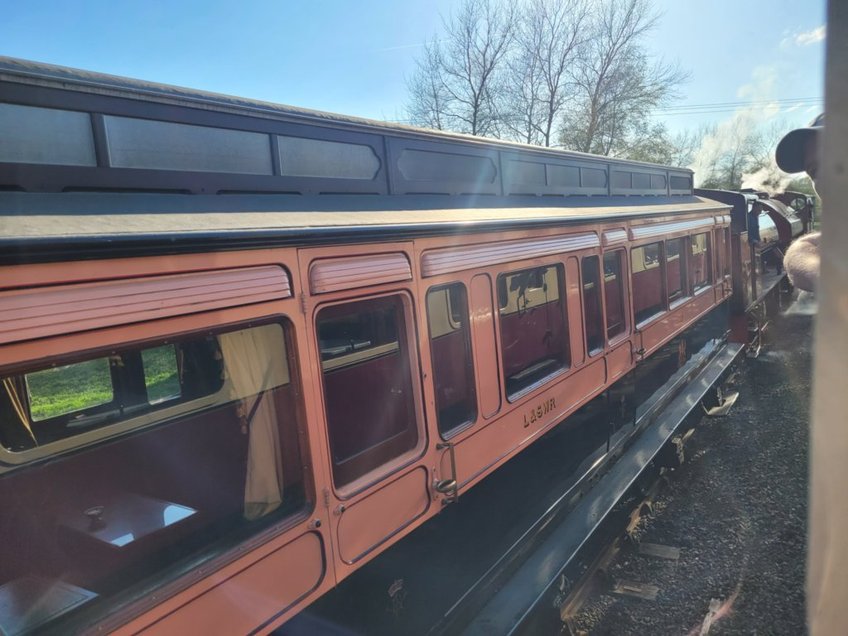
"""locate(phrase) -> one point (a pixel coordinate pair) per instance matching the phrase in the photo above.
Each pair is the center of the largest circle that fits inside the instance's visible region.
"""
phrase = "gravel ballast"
(736, 509)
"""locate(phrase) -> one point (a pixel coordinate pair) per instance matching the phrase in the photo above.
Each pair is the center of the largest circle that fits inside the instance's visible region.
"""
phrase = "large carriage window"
(203, 452)
(450, 350)
(699, 260)
(648, 291)
(367, 385)
(614, 292)
(592, 304)
(534, 331)
(675, 263)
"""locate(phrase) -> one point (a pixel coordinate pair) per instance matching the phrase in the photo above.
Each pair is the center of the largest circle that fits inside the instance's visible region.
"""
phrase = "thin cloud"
(805, 38)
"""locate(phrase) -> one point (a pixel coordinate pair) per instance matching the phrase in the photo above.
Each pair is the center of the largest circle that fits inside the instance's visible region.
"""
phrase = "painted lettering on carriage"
(539, 411)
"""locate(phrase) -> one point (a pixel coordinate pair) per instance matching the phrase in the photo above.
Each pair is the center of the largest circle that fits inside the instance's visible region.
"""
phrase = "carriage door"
(366, 361)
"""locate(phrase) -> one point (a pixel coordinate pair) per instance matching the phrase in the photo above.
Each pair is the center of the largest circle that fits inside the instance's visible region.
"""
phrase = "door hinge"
(303, 303)
(326, 493)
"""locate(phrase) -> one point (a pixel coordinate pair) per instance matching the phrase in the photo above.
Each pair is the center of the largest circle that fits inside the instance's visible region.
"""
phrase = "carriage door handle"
(448, 487)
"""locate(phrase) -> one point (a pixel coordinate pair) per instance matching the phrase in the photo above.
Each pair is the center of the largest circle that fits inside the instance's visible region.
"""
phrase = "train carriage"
(245, 348)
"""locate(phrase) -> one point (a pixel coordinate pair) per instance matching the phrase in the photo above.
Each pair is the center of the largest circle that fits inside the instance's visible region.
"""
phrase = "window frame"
(398, 462)
(659, 263)
(219, 549)
(458, 428)
(707, 263)
(683, 272)
(559, 266)
(601, 305)
(624, 296)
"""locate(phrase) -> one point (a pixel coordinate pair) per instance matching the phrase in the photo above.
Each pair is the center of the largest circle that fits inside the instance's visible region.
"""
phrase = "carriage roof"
(88, 156)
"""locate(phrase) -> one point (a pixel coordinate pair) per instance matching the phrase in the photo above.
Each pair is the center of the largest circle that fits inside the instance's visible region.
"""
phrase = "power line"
(727, 107)
(750, 102)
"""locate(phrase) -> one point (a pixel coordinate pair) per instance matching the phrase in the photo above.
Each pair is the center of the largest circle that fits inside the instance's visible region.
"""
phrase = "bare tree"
(518, 104)
(456, 84)
(548, 38)
(618, 85)
(428, 98)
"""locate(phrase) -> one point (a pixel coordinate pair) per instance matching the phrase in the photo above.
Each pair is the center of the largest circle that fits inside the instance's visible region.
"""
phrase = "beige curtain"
(254, 361)
(18, 406)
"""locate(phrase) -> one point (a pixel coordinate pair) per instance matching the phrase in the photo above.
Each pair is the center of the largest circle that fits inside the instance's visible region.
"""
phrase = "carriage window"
(590, 272)
(203, 452)
(534, 331)
(367, 385)
(648, 287)
(614, 292)
(675, 269)
(699, 260)
(725, 233)
(450, 350)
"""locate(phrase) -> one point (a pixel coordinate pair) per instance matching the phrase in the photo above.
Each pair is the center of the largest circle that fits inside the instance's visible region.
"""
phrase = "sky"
(354, 57)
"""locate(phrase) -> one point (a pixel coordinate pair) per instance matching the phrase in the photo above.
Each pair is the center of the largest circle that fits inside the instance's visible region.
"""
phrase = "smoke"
(735, 149)
(768, 179)
(721, 144)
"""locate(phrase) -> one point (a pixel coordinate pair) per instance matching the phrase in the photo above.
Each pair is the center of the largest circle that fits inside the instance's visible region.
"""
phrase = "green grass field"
(76, 387)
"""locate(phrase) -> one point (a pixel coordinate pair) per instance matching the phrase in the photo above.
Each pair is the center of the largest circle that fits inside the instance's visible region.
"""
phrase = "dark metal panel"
(53, 178)
(443, 168)
(545, 174)
(34, 135)
(628, 180)
(679, 182)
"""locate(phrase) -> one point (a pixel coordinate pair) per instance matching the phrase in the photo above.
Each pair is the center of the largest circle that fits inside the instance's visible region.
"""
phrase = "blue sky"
(353, 57)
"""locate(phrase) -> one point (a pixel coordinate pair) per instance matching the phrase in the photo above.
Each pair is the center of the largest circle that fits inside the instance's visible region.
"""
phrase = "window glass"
(66, 401)
(364, 352)
(71, 389)
(592, 313)
(614, 292)
(450, 350)
(648, 286)
(699, 260)
(534, 332)
(203, 452)
(675, 269)
(160, 373)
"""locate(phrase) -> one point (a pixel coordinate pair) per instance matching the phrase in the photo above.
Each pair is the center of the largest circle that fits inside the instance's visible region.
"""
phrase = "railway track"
(705, 550)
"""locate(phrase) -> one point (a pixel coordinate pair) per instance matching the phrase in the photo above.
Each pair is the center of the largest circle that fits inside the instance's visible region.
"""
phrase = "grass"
(160, 373)
(76, 387)
(69, 388)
